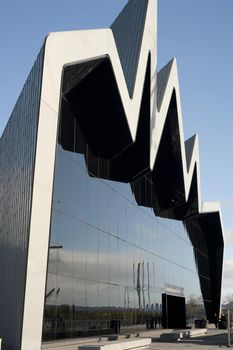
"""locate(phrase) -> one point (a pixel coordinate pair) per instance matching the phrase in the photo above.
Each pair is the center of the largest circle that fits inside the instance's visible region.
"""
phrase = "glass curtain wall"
(110, 259)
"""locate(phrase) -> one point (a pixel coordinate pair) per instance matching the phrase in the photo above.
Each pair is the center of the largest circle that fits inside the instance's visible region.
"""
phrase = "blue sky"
(198, 33)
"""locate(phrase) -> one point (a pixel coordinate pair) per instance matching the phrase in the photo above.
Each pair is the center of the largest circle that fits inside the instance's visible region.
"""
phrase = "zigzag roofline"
(167, 80)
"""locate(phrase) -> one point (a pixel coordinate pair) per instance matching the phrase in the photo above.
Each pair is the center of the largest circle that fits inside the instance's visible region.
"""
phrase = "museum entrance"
(173, 311)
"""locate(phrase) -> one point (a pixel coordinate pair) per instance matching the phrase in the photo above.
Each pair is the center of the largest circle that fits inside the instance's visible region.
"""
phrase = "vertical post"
(228, 328)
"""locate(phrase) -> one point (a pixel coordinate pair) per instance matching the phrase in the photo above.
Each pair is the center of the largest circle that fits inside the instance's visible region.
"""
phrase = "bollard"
(0, 343)
(228, 328)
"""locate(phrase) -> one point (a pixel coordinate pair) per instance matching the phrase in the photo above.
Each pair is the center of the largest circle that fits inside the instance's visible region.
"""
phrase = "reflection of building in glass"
(101, 217)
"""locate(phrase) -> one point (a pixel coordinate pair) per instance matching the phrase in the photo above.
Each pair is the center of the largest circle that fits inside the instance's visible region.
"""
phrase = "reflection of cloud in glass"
(63, 264)
(115, 255)
(147, 231)
(65, 261)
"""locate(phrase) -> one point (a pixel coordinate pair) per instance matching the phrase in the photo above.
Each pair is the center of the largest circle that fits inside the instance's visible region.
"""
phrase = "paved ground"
(214, 339)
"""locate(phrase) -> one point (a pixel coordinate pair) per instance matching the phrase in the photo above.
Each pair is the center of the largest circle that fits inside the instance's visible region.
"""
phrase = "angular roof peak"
(128, 30)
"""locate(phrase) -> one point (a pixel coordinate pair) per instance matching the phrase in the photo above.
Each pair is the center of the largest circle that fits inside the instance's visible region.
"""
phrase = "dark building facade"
(101, 218)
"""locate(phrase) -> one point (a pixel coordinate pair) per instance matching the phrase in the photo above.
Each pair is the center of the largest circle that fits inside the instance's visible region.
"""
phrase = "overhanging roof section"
(175, 171)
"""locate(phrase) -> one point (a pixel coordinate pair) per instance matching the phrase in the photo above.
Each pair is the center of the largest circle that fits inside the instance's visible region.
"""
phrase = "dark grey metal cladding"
(208, 242)
(162, 80)
(128, 31)
(189, 144)
(17, 157)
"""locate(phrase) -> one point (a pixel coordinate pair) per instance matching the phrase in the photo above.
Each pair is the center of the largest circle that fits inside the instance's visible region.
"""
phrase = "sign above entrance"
(173, 290)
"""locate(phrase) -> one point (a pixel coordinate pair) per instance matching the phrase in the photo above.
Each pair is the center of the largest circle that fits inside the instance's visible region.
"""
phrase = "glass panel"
(109, 258)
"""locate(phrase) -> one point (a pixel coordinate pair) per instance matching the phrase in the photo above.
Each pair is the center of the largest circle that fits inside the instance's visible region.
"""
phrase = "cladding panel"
(17, 157)
(128, 31)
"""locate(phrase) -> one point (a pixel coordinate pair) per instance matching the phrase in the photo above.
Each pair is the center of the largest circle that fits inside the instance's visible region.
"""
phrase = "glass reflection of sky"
(116, 255)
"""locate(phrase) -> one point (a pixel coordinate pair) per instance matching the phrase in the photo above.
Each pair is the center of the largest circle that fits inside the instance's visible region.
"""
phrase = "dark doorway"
(173, 311)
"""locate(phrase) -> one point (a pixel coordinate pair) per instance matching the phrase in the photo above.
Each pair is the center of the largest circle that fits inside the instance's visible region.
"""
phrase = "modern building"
(101, 218)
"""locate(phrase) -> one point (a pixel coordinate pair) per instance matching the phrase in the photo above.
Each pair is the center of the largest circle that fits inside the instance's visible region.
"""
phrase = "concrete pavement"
(214, 339)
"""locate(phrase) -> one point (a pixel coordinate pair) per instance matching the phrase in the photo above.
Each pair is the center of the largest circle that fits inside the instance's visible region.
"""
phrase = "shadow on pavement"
(217, 339)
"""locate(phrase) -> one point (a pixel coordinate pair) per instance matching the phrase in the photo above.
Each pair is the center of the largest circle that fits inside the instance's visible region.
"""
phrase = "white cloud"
(228, 271)
(227, 287)
(228, 236)
(225, 203)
